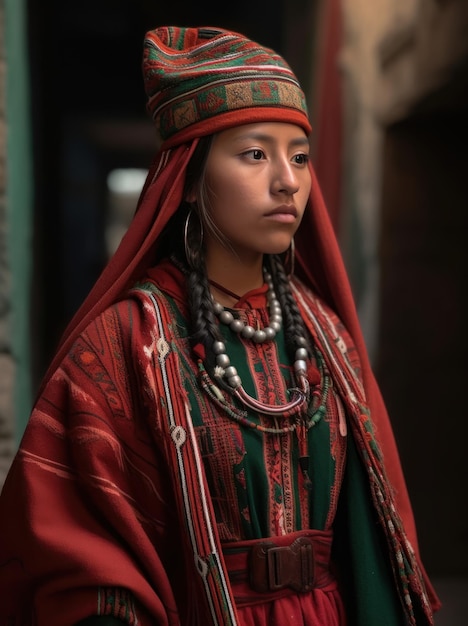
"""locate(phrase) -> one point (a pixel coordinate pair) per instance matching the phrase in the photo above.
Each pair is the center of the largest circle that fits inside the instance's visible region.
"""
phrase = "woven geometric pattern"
(194, 74)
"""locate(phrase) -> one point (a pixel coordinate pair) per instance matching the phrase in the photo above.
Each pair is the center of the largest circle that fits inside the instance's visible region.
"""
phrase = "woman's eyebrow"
(297, 141)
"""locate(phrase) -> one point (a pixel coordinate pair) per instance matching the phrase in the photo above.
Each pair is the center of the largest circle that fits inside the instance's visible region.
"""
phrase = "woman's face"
(258, 183)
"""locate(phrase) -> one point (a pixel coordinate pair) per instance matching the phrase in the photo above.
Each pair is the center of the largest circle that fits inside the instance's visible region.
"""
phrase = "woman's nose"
(285, 178)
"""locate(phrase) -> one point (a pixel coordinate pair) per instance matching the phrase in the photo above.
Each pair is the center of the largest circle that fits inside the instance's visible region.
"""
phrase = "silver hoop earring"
(289, 259)
(192, 254)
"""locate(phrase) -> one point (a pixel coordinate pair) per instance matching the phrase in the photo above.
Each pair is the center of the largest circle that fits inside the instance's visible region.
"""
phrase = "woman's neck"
(231, 278)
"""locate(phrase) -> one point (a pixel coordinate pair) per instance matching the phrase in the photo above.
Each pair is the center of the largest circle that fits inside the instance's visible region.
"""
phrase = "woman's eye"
(255, 154)
(301, 159)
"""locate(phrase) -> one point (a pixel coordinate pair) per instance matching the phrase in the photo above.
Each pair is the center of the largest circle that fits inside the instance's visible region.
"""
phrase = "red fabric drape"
(328, 119)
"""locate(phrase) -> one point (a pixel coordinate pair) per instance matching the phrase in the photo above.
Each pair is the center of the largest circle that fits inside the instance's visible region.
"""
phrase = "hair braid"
(294, 328)
(203, 323)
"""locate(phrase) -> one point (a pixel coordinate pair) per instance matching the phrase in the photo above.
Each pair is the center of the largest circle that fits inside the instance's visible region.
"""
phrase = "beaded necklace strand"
(315, 411)
(302, 422)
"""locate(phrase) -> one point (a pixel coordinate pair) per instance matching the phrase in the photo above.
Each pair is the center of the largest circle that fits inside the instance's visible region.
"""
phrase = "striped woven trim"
(220, 97)
(192, 483)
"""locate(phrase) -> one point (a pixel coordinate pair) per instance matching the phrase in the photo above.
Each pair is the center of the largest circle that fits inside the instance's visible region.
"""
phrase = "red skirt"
(321, 605)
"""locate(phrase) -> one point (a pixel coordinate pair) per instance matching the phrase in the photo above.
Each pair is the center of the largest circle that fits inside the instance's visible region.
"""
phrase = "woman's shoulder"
(326, 325)
(136, 306)
(311, 300)
(128, 326)
(318, 310)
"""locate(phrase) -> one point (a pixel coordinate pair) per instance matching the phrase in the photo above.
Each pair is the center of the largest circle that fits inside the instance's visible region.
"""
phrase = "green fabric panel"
(368, 583)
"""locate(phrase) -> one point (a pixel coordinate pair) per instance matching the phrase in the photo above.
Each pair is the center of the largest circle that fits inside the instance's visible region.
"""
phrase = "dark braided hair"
(294, 329)
(204, 328)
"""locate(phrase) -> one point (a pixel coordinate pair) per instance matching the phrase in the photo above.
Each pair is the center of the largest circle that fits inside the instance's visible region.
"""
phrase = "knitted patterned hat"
(201, 80)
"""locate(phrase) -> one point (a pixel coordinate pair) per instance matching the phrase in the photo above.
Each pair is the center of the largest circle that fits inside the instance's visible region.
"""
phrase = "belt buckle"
(273, 567)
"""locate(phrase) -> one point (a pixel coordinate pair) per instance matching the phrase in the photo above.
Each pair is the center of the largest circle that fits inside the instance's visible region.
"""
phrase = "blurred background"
(387, 87)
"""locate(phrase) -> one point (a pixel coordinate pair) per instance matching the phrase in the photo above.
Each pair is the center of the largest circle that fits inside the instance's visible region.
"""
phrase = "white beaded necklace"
(245, 330)
(227, 374)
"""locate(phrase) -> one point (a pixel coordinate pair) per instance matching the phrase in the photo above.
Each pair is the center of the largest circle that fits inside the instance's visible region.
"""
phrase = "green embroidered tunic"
(256, 483)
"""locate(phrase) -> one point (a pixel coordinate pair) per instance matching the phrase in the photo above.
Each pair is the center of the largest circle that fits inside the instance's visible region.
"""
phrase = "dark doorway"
(89, 117)
(423, 311)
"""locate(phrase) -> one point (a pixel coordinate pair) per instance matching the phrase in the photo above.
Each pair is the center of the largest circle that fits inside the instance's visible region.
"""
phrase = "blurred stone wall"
(6, 358)
(395, 54)
(404, 65)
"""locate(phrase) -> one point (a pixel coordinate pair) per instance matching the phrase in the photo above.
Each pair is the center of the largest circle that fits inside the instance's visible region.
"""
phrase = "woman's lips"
(286, 213)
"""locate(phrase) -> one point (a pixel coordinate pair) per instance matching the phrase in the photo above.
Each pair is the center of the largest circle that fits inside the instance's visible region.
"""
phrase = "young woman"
(209, 445)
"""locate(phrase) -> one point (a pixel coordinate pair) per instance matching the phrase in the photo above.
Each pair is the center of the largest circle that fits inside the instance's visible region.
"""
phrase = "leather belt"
(293, 563)
(274, 567)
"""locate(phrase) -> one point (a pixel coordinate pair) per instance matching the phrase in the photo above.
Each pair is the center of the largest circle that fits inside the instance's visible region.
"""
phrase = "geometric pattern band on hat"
(200, 80)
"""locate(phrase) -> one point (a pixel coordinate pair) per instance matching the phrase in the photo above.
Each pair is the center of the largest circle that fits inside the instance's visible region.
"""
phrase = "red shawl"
(319, 265)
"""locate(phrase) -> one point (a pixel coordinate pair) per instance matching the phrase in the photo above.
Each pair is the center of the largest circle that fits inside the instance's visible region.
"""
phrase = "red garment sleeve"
(87, 505)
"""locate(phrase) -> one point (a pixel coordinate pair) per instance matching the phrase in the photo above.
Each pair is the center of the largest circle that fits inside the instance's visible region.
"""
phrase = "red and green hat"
(202, 80)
